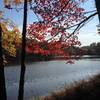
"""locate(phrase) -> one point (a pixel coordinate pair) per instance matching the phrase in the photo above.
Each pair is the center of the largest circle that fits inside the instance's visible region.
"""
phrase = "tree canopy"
(55, 18)
(11, 38)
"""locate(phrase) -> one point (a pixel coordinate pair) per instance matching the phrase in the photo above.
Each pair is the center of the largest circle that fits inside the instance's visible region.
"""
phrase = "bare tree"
(22, 74)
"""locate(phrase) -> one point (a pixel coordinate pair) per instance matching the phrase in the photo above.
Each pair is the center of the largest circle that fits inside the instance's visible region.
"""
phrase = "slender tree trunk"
(2, 76)
(22, 75)
(97, 3)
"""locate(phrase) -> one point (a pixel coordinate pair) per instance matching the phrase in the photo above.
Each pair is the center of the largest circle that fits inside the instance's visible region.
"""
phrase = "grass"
(84, 90)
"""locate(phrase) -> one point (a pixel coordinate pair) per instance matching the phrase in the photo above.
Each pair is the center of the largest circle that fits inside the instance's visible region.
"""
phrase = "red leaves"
(80, 9)
(49, 35)
(36, 30)
(49, 10)
(70, 62)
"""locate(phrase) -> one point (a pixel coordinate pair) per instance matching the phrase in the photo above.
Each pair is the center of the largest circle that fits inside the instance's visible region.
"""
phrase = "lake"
(43, 77)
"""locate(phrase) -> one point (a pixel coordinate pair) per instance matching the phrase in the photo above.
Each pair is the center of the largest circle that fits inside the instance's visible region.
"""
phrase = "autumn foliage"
(49, 34)
(55, 17)
(11, 38)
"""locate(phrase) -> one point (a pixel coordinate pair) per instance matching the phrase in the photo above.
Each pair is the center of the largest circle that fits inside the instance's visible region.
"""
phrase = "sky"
(88, 34)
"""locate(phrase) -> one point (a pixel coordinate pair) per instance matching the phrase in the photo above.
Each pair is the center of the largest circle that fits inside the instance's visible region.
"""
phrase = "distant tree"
(98, 48)
(23, 68)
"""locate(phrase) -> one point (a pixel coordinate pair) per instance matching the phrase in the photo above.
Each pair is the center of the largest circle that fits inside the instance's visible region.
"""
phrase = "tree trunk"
(2, 76)
(97, 3)
(22, 75)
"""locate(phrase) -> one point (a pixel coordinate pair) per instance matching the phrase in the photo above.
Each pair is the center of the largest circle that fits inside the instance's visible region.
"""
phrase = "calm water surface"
(45, 77)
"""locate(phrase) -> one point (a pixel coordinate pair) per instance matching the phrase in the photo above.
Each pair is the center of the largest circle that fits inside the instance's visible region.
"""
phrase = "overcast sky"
(88, 34)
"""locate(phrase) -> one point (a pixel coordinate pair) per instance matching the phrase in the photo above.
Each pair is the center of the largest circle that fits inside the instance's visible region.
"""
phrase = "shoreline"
(55, 58)
(83, 90)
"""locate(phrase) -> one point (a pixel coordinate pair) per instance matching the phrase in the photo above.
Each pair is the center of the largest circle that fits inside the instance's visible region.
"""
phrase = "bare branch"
(82, 22)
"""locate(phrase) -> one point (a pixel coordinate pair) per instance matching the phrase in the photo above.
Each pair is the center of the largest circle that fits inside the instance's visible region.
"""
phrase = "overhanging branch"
(79, 24)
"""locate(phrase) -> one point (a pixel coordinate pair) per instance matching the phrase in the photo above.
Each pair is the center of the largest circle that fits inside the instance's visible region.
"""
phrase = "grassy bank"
(84, 90)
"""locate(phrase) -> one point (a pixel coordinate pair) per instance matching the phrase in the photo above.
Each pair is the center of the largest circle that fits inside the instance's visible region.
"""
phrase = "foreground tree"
(23, 68)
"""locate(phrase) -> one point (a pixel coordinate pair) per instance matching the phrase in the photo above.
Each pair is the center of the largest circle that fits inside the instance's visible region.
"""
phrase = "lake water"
(45, 77)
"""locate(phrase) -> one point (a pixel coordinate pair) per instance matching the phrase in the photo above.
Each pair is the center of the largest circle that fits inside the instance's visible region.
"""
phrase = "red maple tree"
(55, 17)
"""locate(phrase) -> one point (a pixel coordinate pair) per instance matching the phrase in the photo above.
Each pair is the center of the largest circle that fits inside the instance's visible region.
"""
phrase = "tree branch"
(78, 25)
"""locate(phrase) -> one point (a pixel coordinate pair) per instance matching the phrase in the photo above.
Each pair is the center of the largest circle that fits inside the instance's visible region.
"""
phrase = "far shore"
(14, 63)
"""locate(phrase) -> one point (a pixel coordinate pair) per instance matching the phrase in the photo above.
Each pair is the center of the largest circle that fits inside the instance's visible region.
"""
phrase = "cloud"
(87, 39)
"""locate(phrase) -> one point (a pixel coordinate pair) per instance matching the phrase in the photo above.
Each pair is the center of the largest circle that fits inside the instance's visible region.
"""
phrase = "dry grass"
(85, 90)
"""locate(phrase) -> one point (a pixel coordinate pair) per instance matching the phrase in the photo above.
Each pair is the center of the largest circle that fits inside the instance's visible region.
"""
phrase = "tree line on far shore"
(92, 49)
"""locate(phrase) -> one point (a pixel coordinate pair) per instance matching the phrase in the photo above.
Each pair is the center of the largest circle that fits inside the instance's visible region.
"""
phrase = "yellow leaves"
(11, 38)
(4, 28)
(15, 30)
(6, 2)
(16, 2)
(10, 49)
(10, 42)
